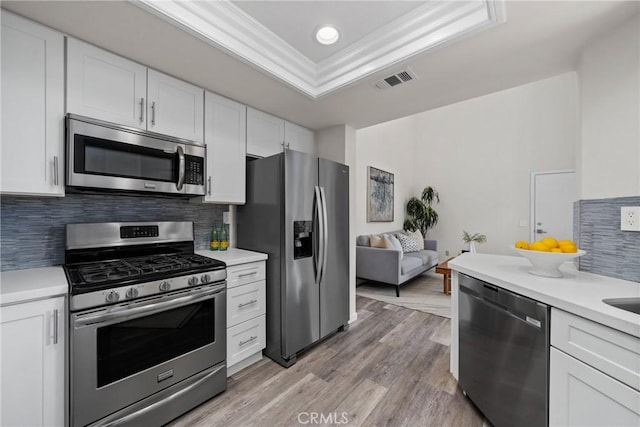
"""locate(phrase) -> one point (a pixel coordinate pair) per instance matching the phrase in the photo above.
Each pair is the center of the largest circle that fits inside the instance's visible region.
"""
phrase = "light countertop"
(234, 256)
(577, 292)
(18, 286)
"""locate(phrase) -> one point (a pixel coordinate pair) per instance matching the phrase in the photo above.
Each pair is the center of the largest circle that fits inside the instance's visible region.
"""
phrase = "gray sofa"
(391, 265)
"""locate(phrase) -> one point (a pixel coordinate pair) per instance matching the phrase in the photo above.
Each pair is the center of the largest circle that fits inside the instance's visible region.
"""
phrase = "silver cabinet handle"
(153, 113)
(55, 326)
(253, 273)
(253, 301)
(55, 170)
(181, 168)
(253, 338)
(209, 186)
(141, 110)
(540, 231)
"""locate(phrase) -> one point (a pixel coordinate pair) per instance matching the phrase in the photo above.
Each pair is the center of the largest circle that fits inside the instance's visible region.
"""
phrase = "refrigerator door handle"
(325, 234)
(317, 216)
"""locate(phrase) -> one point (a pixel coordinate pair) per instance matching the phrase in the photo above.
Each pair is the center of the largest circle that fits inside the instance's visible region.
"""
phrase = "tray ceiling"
(376, 36)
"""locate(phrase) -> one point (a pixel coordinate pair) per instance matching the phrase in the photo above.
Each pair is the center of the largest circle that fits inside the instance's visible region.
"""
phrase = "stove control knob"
(193, 281)
(112, 296)
(165, 286)
(131, 293)
(205, 278)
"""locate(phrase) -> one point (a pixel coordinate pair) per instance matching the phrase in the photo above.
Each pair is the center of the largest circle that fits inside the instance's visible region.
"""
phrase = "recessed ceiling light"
(327, 35)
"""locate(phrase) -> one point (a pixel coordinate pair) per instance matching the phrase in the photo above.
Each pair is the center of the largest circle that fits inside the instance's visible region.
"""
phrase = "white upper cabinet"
(174, 107)
(299, 138)
(109, 87)
(265, 133)
(105, 86)
(225, 138)
(32, 108)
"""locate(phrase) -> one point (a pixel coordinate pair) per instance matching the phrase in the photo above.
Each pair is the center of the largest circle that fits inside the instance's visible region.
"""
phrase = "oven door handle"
(132, 417)
(128, 311)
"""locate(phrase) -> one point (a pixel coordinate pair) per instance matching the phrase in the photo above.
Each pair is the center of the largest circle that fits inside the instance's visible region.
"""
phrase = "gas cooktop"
(107, 263)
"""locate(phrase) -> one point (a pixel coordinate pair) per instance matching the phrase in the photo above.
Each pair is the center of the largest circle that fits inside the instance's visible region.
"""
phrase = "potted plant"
(420, 213)
(472, 239)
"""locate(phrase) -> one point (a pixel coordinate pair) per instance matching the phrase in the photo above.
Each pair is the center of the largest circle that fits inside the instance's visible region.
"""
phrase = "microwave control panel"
(194, 170)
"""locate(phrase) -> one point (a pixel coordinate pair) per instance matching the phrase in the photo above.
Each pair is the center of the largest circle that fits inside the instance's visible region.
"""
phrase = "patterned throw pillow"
(408, 243)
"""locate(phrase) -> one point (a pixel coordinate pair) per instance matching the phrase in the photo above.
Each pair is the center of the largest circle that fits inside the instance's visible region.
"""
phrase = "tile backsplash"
(32, 228)
(610, 251)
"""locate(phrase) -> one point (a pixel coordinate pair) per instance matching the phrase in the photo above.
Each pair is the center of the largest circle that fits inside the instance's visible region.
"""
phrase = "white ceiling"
(354, 19)
(539, 39)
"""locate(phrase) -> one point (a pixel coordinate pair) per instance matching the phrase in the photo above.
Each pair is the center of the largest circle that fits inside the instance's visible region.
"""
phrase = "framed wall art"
(379, 195)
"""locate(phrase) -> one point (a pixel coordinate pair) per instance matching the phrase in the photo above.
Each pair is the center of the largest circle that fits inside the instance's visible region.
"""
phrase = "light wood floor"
(391, 368)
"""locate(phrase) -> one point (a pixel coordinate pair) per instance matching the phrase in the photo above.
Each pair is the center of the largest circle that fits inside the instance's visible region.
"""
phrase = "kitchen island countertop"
(578, 292)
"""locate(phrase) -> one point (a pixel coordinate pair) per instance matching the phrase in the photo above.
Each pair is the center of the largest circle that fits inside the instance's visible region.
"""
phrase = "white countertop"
(234, 256)
(36, 283)
(577, 292)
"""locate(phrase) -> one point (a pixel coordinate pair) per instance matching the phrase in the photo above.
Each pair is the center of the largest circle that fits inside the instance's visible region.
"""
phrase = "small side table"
(443, 268)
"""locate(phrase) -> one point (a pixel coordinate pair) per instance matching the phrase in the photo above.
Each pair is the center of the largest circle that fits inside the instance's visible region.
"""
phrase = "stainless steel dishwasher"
(504, 354)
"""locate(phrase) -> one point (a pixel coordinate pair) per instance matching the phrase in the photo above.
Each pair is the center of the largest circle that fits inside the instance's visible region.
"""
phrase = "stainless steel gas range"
(147, 323)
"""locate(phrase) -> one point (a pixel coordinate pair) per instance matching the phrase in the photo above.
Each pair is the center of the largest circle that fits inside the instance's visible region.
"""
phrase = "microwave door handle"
(181, 167)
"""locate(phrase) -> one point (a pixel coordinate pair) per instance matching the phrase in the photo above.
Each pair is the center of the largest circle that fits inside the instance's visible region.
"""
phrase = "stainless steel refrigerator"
(297, 212)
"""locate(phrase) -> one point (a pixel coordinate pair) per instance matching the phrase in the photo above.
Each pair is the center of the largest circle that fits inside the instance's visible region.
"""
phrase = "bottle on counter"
(215, 240)
(224, 238)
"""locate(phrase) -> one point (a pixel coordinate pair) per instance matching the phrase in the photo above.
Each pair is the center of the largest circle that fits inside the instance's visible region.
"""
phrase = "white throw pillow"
(380, 241)
(417, 235)
(396, 243)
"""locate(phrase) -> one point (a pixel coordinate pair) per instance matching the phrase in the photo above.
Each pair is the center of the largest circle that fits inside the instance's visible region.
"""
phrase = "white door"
(32, 108)
(265, 133)
(580, 395)
(225, 137)
(553, 195)
(33, 341)
(299, 138)
(175, 107)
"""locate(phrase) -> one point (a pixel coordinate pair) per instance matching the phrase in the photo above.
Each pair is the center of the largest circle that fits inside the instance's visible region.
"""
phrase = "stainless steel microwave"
(103, 155)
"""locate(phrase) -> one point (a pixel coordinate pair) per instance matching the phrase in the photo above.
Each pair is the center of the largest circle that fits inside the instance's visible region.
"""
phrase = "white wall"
(388, 146)
(609, 79)
(479, 155)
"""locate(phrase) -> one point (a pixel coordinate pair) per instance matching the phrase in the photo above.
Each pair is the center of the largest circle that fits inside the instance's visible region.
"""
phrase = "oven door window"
(135, 345)
(95, 156)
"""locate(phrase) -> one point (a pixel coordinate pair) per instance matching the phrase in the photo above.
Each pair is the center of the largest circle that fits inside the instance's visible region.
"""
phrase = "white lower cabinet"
(594, 373)
(580, 395)
(246, 314)
(32, 335)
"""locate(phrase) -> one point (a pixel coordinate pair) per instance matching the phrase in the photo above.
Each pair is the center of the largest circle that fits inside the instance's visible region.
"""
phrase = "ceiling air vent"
(396, 79)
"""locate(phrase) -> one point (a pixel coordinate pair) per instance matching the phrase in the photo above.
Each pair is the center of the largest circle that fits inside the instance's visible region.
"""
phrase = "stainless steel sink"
(628, 304)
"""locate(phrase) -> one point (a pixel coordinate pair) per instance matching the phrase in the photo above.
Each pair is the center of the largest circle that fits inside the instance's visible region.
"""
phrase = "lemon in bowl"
(547, 255)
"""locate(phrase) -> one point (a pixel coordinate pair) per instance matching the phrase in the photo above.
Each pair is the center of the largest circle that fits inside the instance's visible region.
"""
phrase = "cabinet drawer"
(245, 339)
(580, 395)
(245, 273)
(245, 302)
(613, 352)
